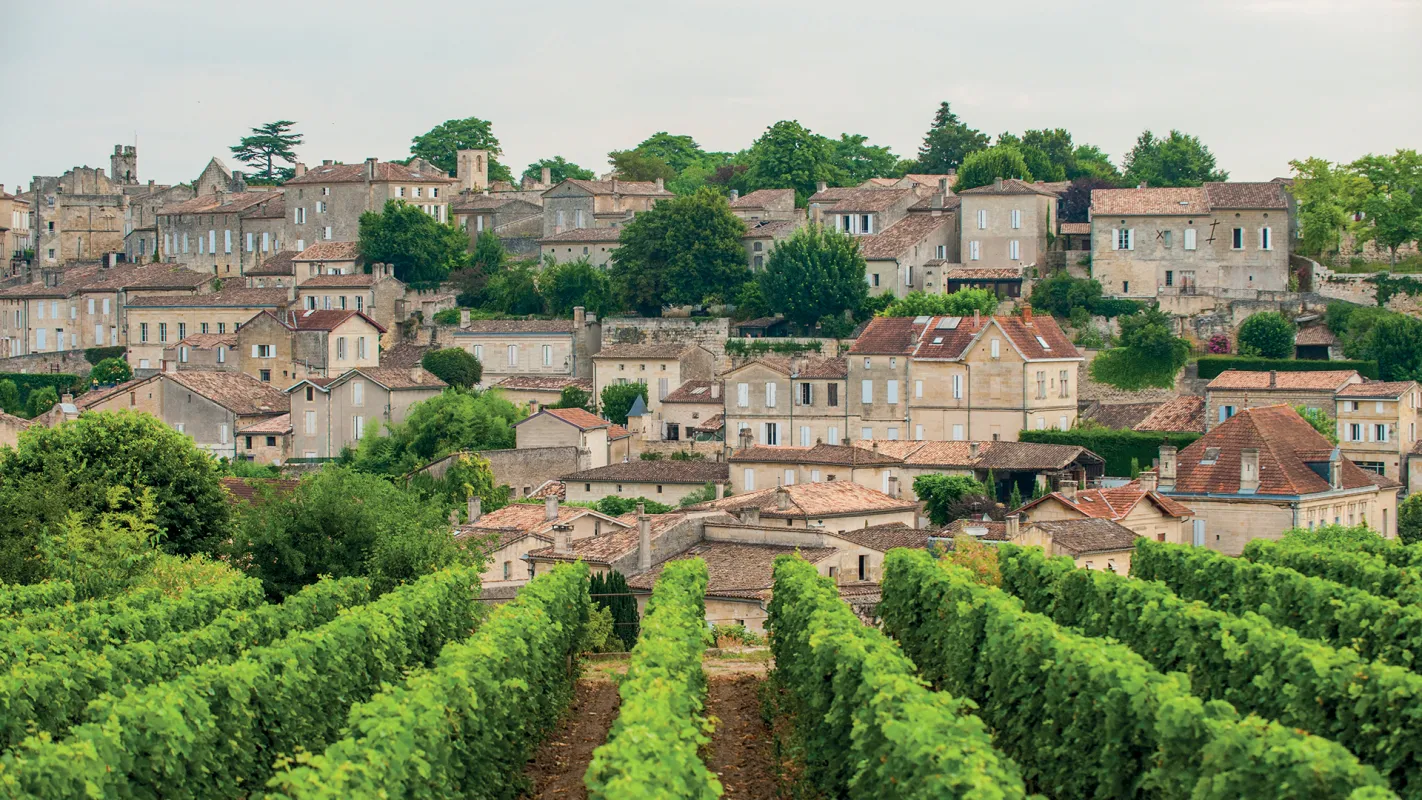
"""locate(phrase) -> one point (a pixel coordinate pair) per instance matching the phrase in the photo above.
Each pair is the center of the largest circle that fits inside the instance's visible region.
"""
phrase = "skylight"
(921, 320)
(1043, 343)
(949, 323)
(938, 340)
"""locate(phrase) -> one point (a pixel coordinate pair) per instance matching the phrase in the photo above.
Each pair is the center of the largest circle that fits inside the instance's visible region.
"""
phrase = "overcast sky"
(1259, 81)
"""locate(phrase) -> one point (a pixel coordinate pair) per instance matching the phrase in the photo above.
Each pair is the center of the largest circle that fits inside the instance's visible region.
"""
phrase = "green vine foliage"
(51, 694)
(467, 727)
(762, 346)
(1372, 709)
(1363, 571)
(652, 749)
(1337, 537)
(1377, 627)
(215, 731)
(871, 728)
(20, 598)
(1087, 717)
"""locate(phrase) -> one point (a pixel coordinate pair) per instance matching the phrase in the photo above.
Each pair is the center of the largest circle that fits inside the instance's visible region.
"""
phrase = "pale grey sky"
(1260, 81)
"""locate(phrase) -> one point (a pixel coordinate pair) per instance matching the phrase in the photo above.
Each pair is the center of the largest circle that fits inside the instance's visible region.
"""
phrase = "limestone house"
(326, 258)
(210, 407)
(552, 348)
(691, 405)
(1136, 506)
(1092, 543)
(837, 506)
(79, 215)
(666, 481)
(1234, 390)
(330, 414)
(634, 544)
(594, 244)
(507, 217)
(1377, 426)
(611, 203)
(282, 347)
(763, 466)
(536, 391)
(324, 203)
(1005, 282)
(567, 427)
(222, 233)
(1007, 224)
(15, 231)
(766, 205)
(778, 400)
(139, 394)
(662, 367)
(1266, 470)
(377, 294)
(10, 429)
(761, 238)
(1027, 465)
(1217, 240)
(895, 243)
(961, 378)
(204, 351)
(267, 442)
(509, 534)
(275, 270)
(156, 321)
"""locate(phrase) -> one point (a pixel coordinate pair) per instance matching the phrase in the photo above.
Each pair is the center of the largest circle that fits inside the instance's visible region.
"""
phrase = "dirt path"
(557, 768)
(742, 753)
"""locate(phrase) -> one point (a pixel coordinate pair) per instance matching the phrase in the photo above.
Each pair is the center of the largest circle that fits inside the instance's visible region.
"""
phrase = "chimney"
(1335, 469)
(580, 318)
(1249, 470)
(1141, 185)
(1068, 489)
(943, 187)
(1166, 481)
(1014, 527)
(977, 318)
(370, 169)
(326, 162)
(715, 390)
(1148, 479)
(735, 194)
(782, 499)
(973, 448)
(644, 540)
(750, 516)
(997, 183)
(1273, 379)
(464, 318)
(720, 490)
(545, 176)
(476, 508)
(660, 187)
(936, 204)
(894, 486)
(1027, 315)
(298, 170)
(417, 375)
(67, 397)
(614, 184)
(745, 437)
(820, 186)
(550, 508)
(562, 538)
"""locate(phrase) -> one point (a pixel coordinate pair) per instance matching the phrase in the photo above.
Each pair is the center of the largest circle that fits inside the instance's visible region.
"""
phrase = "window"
(982, 219)
(183, 354)
(578, 218)
(1041, 384)
(1165, 237)
(958, 433)
(142, 331)
(1125, 287)
(263, 350)
(807, 394)
(328, 232)
(1266, 239)
(1236, 239)
(1016, 218)
(479, 352)
(358, 426)
(91, 305)
(360, 347)
(162, 331)
(832, 395)
(874, 280)
(866, 433)
(106, 305)
(832, 436)
(513, 355)
(1014, 250)
(1170, 277)
(770, 433)
(814, 476)
(893, 392)
(662, 388)
(181, 428)
(957, 387)
(941, 251)
(227, 241)
(310, 421)
(547, 355)
(1226, 412)
(357, 393)
(918, 388)
(1062, 423)
(310, 394)
(866, 223)
(1063, 383)
(770, 395)
(893, 437)
(1124, 238)
(222, 354)
(995, 345)
(222, 434)
(743, 395)
(918, 432)
(182, 331)
(974, 251)
(805, 436)
(1041, 423)
(866, 391)
(864, 568)
(1380, 432)
(266, 375)
(789, 477)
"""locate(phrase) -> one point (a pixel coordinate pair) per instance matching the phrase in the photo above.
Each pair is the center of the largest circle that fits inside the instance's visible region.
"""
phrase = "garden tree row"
(1376, 198)
(1391, 339)
(467, 726)
(1243, 660)
(1099, 721)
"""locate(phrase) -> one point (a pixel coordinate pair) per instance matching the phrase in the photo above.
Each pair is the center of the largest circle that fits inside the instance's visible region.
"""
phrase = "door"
(1199, 539)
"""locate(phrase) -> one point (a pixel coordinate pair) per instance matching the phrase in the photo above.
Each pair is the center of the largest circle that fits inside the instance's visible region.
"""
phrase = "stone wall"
(70, 361)
(527, 469)
(709, 332)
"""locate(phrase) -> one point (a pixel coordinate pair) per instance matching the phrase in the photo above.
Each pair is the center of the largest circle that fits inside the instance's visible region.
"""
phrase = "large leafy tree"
(961, 303)
(816, 274)
(1177, 160)
(1395, 342)
(441, 144)
(1268, 334)
(617, 399)
(514, 291)
(1057, 149)
(1091, 161)
(860, 161)
(682, 251)
(422, 249)
(1392, 200)
(453, 420)
(789, 156)
(569, 284)
(676, 151)
(111, 370)
(1409, 519)
(72, 467)
(267, 148)
(983, 167)
(635, 165)
(1077, 198)
(1038, 162)
(940, 493)
(1325, 193)
(559, 169)
(1150, 353)
(948, 142)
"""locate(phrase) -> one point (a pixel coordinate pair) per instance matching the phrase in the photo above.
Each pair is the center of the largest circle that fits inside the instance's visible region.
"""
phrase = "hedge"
(18, 599)
(1359, 570)
(1377, 627)
(94, 355)
(51, 694)
(1118, 447)
(871, 727)
(1371, 708)
(1212, 366)
(467, 727)
(216, 731)
(27, 382)
(1087, 717)
(652, 749)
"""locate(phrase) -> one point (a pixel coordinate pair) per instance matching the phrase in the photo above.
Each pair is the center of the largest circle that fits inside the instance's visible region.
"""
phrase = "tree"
(1267, 334)
(454, 365)
(454, 420)
(617, 399)
(1150, 353)
(815, 273)
(1320, 421)
(573, 397)
(1091, 162)
(1179, 160)
(9, 396)
(72, 467)
(616, 506)
(635, 165)
(978, 558)
(788, 155)
(489, 254)
(487, 260)
(940, 492)
(111, 370)
(1057, 152)
(860, 161)
(1325, 193)
(105, 554)
(1060, 293)
(269, 145)
(559, 170)
(685, 250)
(961, 303)
(948, 143)
(42, 400)
(441, 144)
(1409, 519)
(467, 475)
(514, 291)
(611, 592)
(1390, 203)
(679, 152)
(983, 167)
(1077, 198)
(570, 284)
(421, 249)
(1395, 342)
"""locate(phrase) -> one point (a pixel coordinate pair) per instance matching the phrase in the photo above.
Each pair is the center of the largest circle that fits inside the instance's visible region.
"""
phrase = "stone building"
(531, 347)
(330, 414)
(567, 427)
(597, 204)
(664, 481)
(1377, 426)
(662, 367)
(685, 410)
(1090, 542)
(761, 238)
(77, 216)
(16, 235)
(203, 351)
(324, 203)
(783, 401)
(1234, 390)
(329, 277)
(267, 441)
(210, 407)
(221, 234)
(517, 222)
(766, 205)
(518, 529)
(1136, 505)
(1266, 470)
(154, 321)
(1007, 224)
(901, 229)
(1220, 239)
(283, 347)
(536, 392)
(594, 244)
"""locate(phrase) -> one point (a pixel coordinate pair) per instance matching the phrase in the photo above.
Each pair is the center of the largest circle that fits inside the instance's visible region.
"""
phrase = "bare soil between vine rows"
(742, 751)
(557, 768)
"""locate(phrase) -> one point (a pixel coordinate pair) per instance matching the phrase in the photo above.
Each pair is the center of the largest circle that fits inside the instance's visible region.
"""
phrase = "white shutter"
(1115, 239)
(743, 395)
(254, 351)
(1131, 238)
(770, 395)
(893, 391)
(748, 479)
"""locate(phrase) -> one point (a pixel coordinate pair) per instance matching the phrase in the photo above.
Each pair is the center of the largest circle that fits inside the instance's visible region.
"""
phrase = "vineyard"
(1287, 673)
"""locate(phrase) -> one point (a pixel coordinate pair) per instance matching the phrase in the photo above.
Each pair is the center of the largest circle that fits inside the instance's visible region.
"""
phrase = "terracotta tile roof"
(810, 367)
(579, 418)
(94, 397)
(1076, 228)
(831, 499)
(355, 173)
(551, 488)
(405, 355)
(1183, 414)
(1287, 445)
(1084, 537)
(950, 203)
(735, 569)
(237, 392)
(765, 198)
(877, 182)
(207, 341)
(868, 201)
(218, 203)
(611, 545)
(1322, 381)
(772, 229)
(539, 383)
(623, 187)
(996, 531)
(359, 280)
(1011, 186)
(70, 281)
(320, 320)
(330, 251)
(601, 235)
(481, 326)
(697, 392)
(277, 425)
(147, 277)
(666, 351)
(831, 454)
(279, 264)
(888, 336)
(1235, 195)
(886, 537)
(1155, 202)
(1315, 335)
(931, 180)
(232, 296)
(1116, 502)
(711, 424)
(617, 432)
(663, 471)
(275, 209)
(948, 338)
(1378, 389)
(245, 489)
(900, 237)
(983, 274)
(480, 202)
(517, 520)
(1031, 456)
(833, 194)
(396, 378)
(1123, 416)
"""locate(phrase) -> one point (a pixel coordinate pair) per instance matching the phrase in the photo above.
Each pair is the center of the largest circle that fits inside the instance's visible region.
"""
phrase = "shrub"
(454, 365)
(940, 492)
(617, 400)
(1267, 334)
(1219, 344)
(1359, 570)
(94, 355)
(961, 303)
(447, 316)
(1118, 447)
(111, 370)
(41, 400)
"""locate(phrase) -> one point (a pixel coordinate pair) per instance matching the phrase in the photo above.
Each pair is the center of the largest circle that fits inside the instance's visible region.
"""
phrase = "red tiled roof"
(948, 338)
(323, 320)
(1151, 201)
(1011, 186)
(898, 238)
(1378, 389)
(1076, 227)
(614, 544)
(218, 203)
(585, 235)
(397, 378)
(765, 198)
(278, 264)
(1115, 503)
(539, 383)
(1322, 381)
(735, 569)
(207, 341)
(358, 280)
(237, 392)
(278, 425)
(1084, 537)
(833, 499)
(517, 520)
(661, 471)
(772, 229)
(622, 187)
(579, 418)
(478, 326)
(832, 454)
(356, 173)
(232, 296)
(668, 350)
(859, 201)
(983, 274)
(1315, 335)
(810, 367)
(330, 251)
(1185, 413)
(1236, 195)
(696, 392)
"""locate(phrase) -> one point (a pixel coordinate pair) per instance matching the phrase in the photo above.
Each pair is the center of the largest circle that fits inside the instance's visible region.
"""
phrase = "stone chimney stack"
(464, 318)
(370, 168)
(1166, 481)
(545, 176)
(1249, 470)
(894, 486)
(1068, 489)
(562, 538)
(715, 390)
(298, 170)
(660, 186)
(820, 186)
(1335, 469)
(614, 184)
(751, 515)
(550, 507)
(417, 374)
(476, 508)
(782, 498)
(1027, 315)
(644, 540)
(745, 437)
(1014, 527)
(580, 318)
(1148, 480)
(973, 448)
(997, 183)
(1273, 379)
(720, 490)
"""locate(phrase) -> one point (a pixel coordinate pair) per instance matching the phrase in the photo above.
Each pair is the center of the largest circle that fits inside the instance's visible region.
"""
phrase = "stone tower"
(472, 170)
(123, 165)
